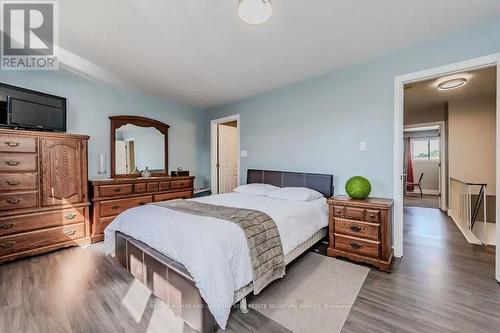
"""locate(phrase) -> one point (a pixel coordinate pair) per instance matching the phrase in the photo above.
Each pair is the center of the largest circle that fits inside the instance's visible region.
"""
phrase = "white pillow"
(295, 194)
(256, 189)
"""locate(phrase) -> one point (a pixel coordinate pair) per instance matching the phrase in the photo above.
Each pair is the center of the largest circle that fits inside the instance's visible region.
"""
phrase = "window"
(426, 149)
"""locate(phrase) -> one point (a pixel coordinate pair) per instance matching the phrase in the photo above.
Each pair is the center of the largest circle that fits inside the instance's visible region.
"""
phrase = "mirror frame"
(119, 121)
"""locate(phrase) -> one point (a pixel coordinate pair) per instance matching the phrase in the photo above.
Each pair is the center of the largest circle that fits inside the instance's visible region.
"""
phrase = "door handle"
(5, 226)
(117, 189)
(70, 232)
(355, 228)
(12, 163)
(355, 245)
(141, 203)
(13, 182)
(70, 216)
(7, 245)
(13, 201)
(12, 143)
(115, 207)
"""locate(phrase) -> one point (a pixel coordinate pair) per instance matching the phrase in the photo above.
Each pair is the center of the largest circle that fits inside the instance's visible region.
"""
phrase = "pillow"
(295, 194)
(256, 189)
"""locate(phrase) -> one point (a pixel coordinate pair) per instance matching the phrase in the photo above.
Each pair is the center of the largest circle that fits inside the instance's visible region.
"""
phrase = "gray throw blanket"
(264, 242)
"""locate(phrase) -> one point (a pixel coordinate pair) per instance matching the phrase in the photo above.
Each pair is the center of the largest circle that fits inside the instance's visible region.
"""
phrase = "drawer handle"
(13, 201)
(70, 216)
(115, 207)
(141, 203)
(355, 228)
(70, 232)
(117, 190)
(355, 245)
(13, 182)
(5, 226)
(338, 211)
(12, 163)
(7, 245)
(372, 216)
(12, 143)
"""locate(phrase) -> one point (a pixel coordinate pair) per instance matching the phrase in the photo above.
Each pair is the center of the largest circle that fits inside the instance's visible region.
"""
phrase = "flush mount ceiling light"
(452, 84)
(255, 11)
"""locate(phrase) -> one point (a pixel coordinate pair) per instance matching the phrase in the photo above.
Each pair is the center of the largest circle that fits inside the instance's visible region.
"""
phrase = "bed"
(215, 256)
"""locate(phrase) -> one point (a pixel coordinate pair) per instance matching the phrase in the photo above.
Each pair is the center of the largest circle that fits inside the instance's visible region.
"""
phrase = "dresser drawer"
(114, 190)
(357, 228)
(18, 200)
(18, 181)
(179, 184)
(171, 196)
(115, 207)
(140, 188)
(355, 213)
(101, 224)
(164, 186)
(17, 162)
(153, 187)
(29, 222)
(36, 239)
(17, 144)
(357, 245)
(373, 215)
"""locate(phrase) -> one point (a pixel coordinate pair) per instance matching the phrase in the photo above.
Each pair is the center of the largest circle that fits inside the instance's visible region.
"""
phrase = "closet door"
(62, 169)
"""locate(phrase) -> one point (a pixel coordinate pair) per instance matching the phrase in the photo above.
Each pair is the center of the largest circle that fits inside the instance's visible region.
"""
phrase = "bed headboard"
(319, 182)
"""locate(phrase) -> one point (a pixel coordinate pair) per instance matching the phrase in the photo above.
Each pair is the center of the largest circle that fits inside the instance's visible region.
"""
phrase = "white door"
(228, 160)
(120, 158)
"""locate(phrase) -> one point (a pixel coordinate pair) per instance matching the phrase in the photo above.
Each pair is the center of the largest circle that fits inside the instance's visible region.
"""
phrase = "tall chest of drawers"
(111, 197)
(43, 194)
(360, 230)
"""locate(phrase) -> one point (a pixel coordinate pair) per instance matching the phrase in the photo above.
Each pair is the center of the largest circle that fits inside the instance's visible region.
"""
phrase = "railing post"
(469, 215)
(485, 231)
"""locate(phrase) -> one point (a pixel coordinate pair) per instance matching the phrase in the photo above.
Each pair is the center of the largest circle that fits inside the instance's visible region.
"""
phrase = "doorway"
(225, 154)
(450, 72)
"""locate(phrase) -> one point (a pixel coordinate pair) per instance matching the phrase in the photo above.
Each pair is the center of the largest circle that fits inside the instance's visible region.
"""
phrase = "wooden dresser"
(110, 197)
(360, 230)
(43, 192)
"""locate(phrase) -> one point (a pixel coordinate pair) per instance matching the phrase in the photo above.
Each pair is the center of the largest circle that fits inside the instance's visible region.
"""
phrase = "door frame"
(442, 159)
(213, 150)
(399, 82)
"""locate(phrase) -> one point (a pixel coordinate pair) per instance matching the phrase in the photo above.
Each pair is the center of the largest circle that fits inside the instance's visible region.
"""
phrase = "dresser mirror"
(138, 143)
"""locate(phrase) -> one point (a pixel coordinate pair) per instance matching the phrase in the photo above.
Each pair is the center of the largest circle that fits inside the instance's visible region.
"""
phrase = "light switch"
(362, 146)
(243, 153)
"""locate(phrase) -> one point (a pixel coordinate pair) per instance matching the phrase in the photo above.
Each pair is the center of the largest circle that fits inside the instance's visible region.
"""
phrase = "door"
(228, 161)
(62, 168)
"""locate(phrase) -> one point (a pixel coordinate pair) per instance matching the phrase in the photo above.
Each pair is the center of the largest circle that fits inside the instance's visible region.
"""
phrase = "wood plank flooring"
(443, 284)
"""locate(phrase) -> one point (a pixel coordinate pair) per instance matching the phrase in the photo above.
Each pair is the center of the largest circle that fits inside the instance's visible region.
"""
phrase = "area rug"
(316, 294)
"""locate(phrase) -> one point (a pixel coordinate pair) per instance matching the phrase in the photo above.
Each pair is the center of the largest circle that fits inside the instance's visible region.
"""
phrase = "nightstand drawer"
(338, 211)
(355, 213)
(357, 245)
(373, 215)
(357, 229)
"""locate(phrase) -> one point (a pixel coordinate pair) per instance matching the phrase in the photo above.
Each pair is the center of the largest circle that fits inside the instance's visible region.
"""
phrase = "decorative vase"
(146, 173)
(358, 187)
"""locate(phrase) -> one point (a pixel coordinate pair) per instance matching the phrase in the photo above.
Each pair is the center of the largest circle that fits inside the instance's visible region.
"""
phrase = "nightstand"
(360, 230)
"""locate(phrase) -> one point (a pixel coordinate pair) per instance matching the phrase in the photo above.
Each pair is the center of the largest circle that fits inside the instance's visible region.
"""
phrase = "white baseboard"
(424, 191)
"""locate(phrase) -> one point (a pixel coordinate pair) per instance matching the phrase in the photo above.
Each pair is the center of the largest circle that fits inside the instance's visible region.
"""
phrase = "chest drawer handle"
(12, 163)
(5, 226)
(115, 207)
(355, 228)
(12, 143)
(372, 216)
(117, 190)
(7, 245)
(70, 232)
(13, 182)
(355, 245)
(141, 203)
(70, 216)
(13, 201)
(338, 211)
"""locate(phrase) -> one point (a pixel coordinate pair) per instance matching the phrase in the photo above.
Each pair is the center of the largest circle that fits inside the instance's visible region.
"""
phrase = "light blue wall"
(90, 103)
(316, 125)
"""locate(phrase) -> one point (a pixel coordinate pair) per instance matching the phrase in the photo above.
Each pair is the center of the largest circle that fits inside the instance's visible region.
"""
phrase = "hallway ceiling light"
(452, 84)
(255, 11)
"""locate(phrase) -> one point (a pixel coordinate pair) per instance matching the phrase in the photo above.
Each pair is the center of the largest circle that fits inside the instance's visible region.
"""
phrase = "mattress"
(215, 252)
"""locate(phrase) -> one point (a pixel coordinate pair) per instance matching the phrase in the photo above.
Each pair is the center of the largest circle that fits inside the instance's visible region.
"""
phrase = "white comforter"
(214, 251)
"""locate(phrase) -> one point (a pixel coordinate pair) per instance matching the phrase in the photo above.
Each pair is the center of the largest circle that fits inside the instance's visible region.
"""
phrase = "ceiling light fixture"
(255, 11)
(452, 84)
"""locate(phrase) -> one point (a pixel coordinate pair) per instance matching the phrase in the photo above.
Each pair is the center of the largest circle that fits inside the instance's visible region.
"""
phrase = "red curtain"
(409, 165)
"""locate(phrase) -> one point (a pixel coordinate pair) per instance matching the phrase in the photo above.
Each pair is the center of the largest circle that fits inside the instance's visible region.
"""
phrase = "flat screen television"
(34, 115)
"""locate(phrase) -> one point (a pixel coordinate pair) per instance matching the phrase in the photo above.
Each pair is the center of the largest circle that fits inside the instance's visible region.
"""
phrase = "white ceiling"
(426, 93)
(199, 52)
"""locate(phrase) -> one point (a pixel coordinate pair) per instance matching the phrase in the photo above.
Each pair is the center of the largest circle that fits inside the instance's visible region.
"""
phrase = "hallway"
(443, 283)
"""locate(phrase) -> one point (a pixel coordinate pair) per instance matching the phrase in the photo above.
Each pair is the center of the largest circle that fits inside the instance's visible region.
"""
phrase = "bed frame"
(171, 282)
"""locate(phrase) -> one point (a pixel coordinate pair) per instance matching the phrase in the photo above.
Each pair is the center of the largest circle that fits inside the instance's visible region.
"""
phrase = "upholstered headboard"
(319, 182)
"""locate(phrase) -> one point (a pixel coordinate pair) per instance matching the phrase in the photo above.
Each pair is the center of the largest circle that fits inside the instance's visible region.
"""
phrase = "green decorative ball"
(358, 187)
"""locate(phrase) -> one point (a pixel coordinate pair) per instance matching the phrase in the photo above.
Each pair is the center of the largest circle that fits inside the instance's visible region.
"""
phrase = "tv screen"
(29, 114)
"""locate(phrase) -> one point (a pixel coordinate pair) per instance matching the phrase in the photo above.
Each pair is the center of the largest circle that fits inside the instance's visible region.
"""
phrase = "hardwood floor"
(443, 284)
